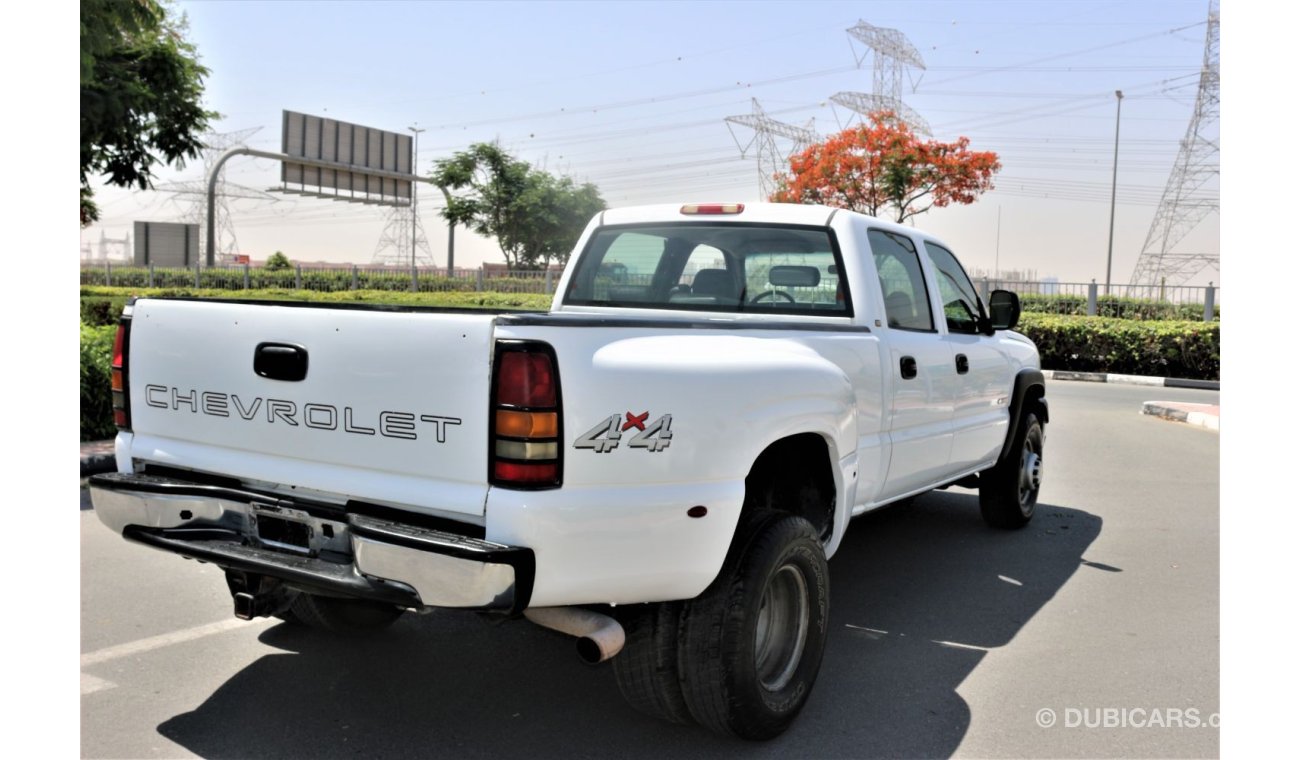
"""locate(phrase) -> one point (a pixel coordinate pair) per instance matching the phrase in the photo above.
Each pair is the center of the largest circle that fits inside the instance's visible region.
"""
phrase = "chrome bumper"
(315, 547)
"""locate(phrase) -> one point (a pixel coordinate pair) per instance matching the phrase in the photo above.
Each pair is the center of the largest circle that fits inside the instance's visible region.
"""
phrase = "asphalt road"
(947, 638)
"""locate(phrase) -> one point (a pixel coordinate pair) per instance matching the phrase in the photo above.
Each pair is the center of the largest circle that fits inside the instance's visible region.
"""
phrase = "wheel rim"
(783, 620)
(1031, 472)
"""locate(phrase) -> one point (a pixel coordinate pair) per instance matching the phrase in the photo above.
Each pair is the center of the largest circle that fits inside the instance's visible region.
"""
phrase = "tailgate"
(392, 407)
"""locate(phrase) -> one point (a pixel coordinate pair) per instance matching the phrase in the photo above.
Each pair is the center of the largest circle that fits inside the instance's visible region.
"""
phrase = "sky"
(633, 97)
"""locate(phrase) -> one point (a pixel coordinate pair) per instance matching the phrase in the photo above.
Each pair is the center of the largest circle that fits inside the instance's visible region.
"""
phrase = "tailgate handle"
(280, 361)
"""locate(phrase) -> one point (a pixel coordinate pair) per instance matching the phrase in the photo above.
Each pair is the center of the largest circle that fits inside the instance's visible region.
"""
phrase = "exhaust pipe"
(600, 637)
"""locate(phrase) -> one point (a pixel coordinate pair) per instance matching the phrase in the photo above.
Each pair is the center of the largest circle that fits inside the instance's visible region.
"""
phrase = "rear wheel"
(345, 616)
(646, 669)
(1009, 491)
(752, 643)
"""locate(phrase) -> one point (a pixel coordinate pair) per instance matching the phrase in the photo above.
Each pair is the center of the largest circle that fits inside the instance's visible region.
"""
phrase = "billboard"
(166, 244)
(320, 139)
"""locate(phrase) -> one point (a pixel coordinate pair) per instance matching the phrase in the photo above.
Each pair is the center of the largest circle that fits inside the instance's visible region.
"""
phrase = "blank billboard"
(166, 244)
(340, 142)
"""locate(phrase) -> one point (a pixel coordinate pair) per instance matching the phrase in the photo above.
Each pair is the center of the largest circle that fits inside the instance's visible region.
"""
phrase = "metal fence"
(1182, 302)
(324, 279)
(1069, 298)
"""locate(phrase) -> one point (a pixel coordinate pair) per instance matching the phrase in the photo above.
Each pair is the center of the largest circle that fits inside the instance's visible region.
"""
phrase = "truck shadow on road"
(919, 593)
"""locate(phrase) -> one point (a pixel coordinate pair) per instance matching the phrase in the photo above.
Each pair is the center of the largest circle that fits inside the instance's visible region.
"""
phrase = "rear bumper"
(320, 548)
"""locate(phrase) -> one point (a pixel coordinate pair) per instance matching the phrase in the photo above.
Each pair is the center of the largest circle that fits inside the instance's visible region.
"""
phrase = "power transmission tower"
(395, 241)
(114, 249)
(770, 158)
(1187, 199)
(891, 55)
(192, 194)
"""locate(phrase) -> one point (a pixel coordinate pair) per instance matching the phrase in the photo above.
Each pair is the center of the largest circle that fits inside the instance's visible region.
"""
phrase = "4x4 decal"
(606, 436)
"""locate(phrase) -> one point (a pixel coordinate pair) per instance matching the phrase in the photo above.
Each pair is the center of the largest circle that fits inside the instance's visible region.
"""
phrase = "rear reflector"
(692, 209)
(525, 416)
(526, 474)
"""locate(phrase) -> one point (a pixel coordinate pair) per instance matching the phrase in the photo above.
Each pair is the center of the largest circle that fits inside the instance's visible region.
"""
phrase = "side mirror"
(1004, 309)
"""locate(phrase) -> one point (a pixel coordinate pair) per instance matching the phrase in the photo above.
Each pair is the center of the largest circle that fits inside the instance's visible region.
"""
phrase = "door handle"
(963, 365)
(907, 366)
(280, 361)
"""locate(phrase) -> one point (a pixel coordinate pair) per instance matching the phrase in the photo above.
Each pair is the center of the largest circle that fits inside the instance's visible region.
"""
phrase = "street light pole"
(1114, 175)
(415, 159)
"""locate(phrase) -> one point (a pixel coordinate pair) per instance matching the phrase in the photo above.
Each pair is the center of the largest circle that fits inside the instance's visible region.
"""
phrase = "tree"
(276, 262)
(882, 164)
(535, 216)
(141, 91)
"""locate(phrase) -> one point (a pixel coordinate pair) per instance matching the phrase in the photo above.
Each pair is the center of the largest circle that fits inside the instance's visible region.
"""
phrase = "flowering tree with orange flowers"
(882, 165)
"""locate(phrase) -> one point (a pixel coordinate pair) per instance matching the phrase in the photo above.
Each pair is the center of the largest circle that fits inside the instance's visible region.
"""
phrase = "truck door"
(983, 390)
(923, 378)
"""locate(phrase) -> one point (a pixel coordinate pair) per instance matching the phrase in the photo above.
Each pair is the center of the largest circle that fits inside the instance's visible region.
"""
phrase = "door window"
(961, 307)
(907, 302)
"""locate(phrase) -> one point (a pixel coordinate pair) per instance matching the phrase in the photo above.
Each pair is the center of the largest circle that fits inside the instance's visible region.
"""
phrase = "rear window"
(705, 267)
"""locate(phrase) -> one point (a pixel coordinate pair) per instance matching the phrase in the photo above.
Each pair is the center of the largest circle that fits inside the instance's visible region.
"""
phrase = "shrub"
(1120, 307)
(96, 389)
(1133, 347)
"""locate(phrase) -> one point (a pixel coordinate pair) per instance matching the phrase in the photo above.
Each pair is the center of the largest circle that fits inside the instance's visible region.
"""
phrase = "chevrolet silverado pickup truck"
(660, 465)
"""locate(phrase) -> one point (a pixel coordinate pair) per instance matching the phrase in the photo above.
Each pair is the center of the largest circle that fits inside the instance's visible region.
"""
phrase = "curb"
(1186, 413)
(1107, 377)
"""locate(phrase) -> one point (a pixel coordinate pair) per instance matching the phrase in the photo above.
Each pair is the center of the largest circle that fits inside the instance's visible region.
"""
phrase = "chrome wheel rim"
(783, 620)
(1031, 473)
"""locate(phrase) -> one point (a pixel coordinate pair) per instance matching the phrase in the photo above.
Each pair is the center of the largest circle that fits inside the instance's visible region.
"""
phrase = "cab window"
(907, 302)
(961, 307)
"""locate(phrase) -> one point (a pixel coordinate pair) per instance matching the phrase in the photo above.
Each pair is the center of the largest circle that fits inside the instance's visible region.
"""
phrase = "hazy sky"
(632, 97)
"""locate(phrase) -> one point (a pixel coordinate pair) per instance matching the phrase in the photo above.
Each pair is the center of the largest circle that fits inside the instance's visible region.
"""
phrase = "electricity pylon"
(1187, 199)
(891, 55)
(769, 156)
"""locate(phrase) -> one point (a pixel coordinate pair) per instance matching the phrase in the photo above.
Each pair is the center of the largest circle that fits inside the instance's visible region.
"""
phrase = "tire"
(646, 669)
(1009, 491)
(752, 643)
(344, 616)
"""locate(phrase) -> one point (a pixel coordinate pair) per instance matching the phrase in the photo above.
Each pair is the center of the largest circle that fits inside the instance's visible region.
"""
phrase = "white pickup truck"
(660, 465)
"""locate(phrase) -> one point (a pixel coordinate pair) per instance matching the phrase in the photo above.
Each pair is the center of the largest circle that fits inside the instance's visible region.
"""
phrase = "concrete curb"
(1190, 414)
(1107, 377)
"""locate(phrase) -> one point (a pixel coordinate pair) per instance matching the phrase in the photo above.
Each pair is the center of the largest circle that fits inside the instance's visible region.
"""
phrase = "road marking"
(872, 633)
(91, 684)
(141, 646)
(955, 645)
(1012, 581)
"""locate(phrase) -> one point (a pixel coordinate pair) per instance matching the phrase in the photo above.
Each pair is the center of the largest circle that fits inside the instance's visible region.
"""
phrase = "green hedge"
(96, 392)
(1114, 306)
(1187, 350)
(328, 280)
(101, 305)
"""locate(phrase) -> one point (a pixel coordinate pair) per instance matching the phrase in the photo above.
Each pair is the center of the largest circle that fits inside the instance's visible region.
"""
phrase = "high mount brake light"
(525, 450)
(696, 209)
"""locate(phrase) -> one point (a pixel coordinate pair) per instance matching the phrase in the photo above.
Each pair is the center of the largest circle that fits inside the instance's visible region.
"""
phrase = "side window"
(960, 304)
(907, 303)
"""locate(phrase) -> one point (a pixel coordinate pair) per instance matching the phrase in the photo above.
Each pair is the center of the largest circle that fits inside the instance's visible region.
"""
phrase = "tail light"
(121, 393)
(525, 435)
